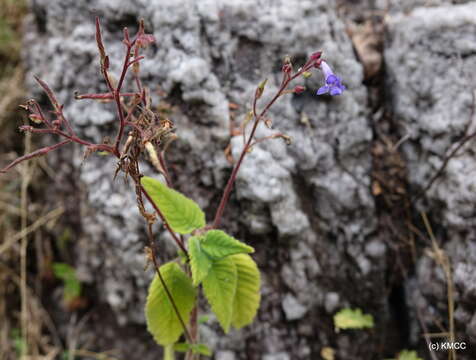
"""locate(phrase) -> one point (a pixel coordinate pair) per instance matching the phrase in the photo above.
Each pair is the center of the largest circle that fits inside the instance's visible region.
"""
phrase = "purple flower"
(333, 85)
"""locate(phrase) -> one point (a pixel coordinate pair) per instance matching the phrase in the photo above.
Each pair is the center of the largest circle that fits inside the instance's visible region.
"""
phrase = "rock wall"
(307, 208)
(430, 58)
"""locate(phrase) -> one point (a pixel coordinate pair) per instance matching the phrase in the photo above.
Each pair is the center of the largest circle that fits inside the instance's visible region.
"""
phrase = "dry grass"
(24, 320)
(443, 260)
(27, 331)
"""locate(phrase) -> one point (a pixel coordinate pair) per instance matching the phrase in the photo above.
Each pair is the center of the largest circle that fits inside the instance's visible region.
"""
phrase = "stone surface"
(431, 60)
(292, 308)
(293, 200)
(307, 208)
(225, 355)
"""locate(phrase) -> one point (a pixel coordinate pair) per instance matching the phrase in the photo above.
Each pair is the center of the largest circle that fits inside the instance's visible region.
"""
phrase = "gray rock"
(472, 329)
(306, 208)
(292, 308)
(331, 302)
(431, 60)
(225, 355)
(277, 356)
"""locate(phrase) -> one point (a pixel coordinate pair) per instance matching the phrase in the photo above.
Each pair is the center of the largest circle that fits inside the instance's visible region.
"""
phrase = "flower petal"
(335, 91)
(326, 69)
(322, 90)
(332, 80)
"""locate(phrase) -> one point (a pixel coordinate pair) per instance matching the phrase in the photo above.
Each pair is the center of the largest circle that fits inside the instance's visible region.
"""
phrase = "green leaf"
(215, 245)
(201, 349)
(247, 296)
(200, 263)
(72, 286)
(219, 244)
(196, 348)
(181, 213)
(203, 319)
(183, 257)
(162, 320)
(352, 319)
(19, 343)
(182, 347)
(219, 287)
(408, 355)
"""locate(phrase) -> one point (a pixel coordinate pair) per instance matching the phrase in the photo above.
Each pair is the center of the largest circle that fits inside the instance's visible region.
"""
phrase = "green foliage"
(408, 355)
(11, 16)
(19, 342)
(7, 36)
(181, 213)
(203, 319)
(352, 319)
(218, 244)
(162, 320)
(247, 296)
(72, 286)
(219, 287)
(214, 245)
(231, 279)
(63, 240)
(183, 257)
(200, 262)
(201, 349)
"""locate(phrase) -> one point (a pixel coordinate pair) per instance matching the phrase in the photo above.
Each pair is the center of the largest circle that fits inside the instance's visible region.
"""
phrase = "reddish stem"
(39, 152)
(117, 98)
(106, 96)
(234, 173)
(229, 186)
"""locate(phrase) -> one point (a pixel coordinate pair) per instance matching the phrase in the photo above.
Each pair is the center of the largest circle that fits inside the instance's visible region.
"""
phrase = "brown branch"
(56, 105)
(287, 78)
(73, 138)
(37, 153)
(103, 96)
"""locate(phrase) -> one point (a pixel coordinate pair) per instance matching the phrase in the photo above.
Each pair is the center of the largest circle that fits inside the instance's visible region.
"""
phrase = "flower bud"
(287, 68)
(299, 89)
(316, 55)
(35, 118)
(260, 89)
(317, 64)
(145, 39)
